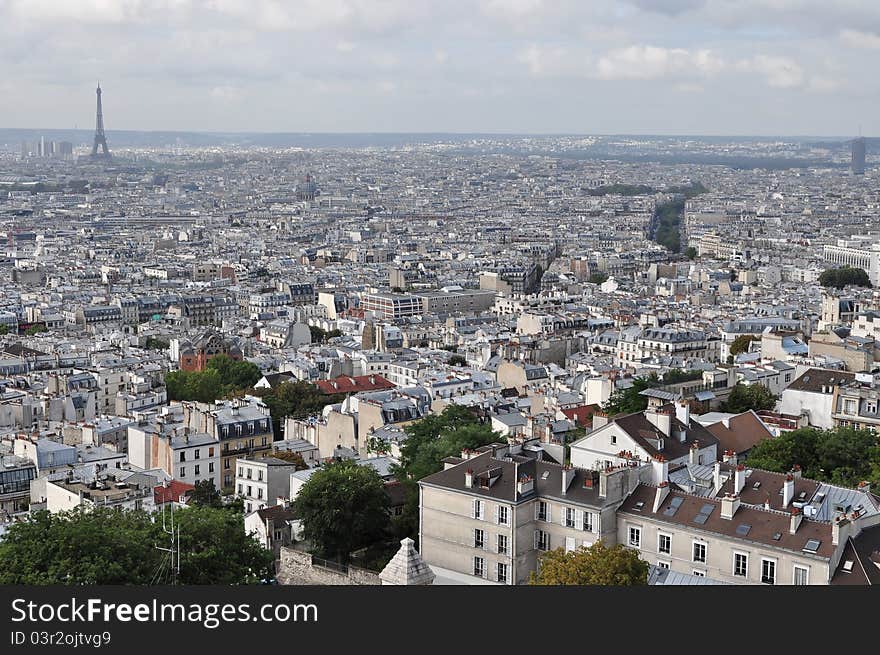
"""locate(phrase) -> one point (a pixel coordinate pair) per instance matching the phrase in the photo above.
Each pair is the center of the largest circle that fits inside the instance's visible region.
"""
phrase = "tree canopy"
(745, 397)
(690, 252)
(844, 456)
(295, 398)
(343, 507)
(107, 546)
(839, 278)
(223, 376)
(594, 565)
(627, 401)
(742, 343)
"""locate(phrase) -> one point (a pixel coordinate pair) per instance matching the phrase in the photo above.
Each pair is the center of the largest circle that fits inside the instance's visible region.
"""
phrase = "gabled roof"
(356, 384)
(741, 433)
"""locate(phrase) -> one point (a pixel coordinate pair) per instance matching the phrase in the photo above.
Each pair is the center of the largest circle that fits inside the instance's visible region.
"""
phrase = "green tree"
(343, 507)
(318, 335)
(235, 374)
(598, 278)
(4, 329)
(839, 278)
(629, 400)
(457, 360)
(690, 252)
(294, 458)
(155, 343)
(36, 328)
(428, 442)
(298, 399)
(206, 494)
(594, 565)
(842, 455)
(742, 343)
(107, 546)
(746, 397)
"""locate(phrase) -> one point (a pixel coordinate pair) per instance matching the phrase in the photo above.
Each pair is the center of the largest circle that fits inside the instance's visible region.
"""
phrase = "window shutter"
(537, 505)
(549, 514)
(536, 539)
(497, 514)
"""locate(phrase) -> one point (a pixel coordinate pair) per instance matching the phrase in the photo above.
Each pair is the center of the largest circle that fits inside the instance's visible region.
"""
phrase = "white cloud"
(778, 72)
(345, 46)
(644, 62)
(441, 56)
(857, 39)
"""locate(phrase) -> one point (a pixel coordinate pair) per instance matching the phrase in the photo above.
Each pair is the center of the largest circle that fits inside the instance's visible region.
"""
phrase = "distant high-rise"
(100, 138)
(858, 156)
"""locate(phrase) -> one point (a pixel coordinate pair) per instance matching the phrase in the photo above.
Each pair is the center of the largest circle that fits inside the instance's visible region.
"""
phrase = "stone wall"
(299, 568)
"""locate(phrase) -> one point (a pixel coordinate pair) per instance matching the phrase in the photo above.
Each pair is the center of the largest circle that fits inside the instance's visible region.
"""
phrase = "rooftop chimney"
(739, 478)
(729, 457)
(796, 470)
(729, 505)
(838, 525)
(600, 419)
(660, 470)
(525, 484)
(694, 454)
(796, 518)
(567, 477)
(661, 419)
(660, 495)
(469, 478)
(683, 412)
(787, 490)
(716, 477)
(865, 486)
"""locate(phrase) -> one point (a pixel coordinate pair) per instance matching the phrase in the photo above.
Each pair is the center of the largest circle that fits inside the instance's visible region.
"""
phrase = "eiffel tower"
(100, 139)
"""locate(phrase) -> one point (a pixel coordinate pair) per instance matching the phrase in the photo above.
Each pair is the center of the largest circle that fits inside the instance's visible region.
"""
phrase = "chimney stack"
(739, 478)
(716, 477)
(729, 505)
(796, 470)
(600, 419)
(567, 476)
(865, 486)
(660, 470)
(729, 457)
(660, 496)
(469, 478)
(661, 419)
(788, 490)
(683, 412)
(836, 525)
(796, 518)
(694, 454)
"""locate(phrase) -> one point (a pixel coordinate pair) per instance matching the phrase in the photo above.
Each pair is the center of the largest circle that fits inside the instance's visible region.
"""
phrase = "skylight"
(812, 545)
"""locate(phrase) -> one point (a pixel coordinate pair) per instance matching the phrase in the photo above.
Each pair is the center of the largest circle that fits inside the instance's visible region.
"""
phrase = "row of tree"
(838, 278)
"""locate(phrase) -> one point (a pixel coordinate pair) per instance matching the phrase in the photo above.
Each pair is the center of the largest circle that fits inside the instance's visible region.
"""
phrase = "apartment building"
(490, 514)
(260, 482)
(392, 305)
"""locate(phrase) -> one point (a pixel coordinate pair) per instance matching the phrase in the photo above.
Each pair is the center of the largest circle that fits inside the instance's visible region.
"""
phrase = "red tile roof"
(172, 492)
(583, 415)
(356, 384)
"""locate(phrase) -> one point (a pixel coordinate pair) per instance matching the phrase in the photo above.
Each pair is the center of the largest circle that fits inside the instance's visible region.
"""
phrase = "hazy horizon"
(531, 67)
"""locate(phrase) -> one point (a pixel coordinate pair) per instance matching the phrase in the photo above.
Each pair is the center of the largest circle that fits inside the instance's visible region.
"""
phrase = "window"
(210, 467)
(542, 540)
(503, 515)
(768, 571)
(227, 463)
(260, 493)
(801, 575)
(613, 439)
(478, 509)
(664, 544)
(502, 544)
(699, 573)
(182, 455)
(479, 567)
(635, 537)
(249, 471)
(541, 511)
(479, 539)
(588, 521)
(183, 471)
(211, 451)
(569, 517)
(699, 551)
(502, 572)
(197, 470)
(239, 487)
(663, 565)
(198, 453)
(741, 565)
(240, 472)
(260, 475)
(250, 490)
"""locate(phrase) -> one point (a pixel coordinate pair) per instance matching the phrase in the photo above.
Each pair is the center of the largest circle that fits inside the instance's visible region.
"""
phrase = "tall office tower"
(858, 156)
(100, 138)
(43, 147)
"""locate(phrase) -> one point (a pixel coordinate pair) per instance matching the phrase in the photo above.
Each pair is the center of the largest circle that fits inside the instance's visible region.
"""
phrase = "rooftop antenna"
(174, 534)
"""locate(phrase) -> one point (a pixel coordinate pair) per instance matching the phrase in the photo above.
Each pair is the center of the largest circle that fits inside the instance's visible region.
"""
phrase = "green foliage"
(746, 397)
(457, 360)
(667, 217)
(675, 375)
(4, 329)
(428, 442)
(742, 343)
(690, 252)
(598, 278)
(839, 278)
(206, 494)
(36, 328)
(622, 190)
(222, 377)
(295, 398)
(689, 190)
(109, 546)
(627, 401)
(155, 343)
(335, 332)
(594, 565)
(844, 456)
(318, 335)
(343, 507)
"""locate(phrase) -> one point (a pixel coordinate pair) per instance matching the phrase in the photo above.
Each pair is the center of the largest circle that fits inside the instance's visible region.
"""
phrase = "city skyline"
(526, 67)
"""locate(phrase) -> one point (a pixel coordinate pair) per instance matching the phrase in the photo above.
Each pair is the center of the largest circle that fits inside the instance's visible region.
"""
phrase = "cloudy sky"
(764, 67)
